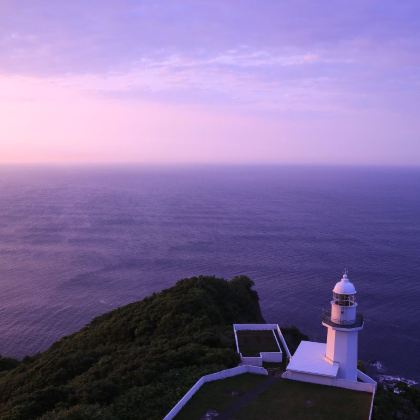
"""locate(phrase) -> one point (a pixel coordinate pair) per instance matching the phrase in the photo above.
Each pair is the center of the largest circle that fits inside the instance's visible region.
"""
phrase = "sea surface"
(76, 242)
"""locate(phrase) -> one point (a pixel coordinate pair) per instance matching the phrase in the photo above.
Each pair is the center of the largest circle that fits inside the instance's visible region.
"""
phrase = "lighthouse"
(343, 325)
(334, 363)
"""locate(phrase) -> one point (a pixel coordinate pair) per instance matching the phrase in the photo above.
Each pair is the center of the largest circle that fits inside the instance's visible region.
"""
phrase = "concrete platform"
(309, 358)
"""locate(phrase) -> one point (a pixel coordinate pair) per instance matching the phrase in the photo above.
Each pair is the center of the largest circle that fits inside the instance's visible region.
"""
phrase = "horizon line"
(205, 164)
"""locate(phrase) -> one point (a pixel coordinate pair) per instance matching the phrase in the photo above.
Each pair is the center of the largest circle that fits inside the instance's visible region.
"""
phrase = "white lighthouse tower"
(343, 326)
(334, 362)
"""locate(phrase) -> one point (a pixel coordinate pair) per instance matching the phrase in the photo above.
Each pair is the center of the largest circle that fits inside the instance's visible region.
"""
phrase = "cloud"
(49, 38)
(253, 80)
(249, 80)
(208, 69)
(58, 120)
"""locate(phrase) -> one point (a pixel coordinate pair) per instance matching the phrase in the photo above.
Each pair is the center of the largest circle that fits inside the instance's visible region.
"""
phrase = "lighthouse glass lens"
(343, 300)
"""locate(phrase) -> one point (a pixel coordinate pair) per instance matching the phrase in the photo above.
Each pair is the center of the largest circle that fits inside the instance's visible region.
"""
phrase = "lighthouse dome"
(344, 286)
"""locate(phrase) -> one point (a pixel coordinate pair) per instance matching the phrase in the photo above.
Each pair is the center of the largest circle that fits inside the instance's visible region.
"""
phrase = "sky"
(210, 81)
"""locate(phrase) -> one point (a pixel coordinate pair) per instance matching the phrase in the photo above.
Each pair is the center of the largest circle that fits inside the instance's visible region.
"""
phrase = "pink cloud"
(48, 120)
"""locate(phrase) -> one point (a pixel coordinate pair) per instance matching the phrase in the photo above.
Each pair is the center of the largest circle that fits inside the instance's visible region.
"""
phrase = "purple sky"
(210, 81)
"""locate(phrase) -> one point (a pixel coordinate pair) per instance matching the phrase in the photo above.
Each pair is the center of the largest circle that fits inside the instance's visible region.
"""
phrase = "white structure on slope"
(334, 363)
(343, 326)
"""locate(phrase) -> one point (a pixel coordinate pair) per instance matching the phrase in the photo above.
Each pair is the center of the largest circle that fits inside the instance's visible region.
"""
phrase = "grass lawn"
(284, 399)
(251, 343)
(294, 400)
(218, 395)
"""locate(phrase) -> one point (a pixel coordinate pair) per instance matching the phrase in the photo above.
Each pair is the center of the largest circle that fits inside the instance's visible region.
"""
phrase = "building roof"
(344, 286)
(310, 358)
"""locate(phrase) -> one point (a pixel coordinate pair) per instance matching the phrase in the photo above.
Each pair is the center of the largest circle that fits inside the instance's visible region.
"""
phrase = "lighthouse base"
(309, 364)
(309, 359)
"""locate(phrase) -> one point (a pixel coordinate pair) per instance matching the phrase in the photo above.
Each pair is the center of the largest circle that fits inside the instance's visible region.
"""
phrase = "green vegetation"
(7, 363)
(293, 337)
(218, 395)
(402, 404)
(136, 361)
(301, 401)
(252, 343)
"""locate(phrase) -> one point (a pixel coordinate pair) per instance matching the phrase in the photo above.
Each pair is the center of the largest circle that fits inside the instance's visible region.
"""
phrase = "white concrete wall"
(265, 356)
(251, 360)
(329, 350)
(371, 403)
(236, 340)
(277, 341)
(325, 380)
(342, 349)
(343, 314)
(273, 357)
(283, 341)
(365, 378)
(223, 374)
(254, 327)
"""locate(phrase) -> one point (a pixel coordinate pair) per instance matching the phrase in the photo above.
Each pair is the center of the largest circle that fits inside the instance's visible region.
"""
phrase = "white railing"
(254, 327)
(236, 340)
(264, 356)
(283, 341)
(365, 378)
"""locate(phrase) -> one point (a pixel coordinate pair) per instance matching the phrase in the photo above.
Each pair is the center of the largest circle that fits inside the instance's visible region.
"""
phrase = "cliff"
(136, 361)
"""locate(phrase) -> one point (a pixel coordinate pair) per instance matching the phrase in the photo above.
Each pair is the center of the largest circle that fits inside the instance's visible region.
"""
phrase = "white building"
(343, 326)
(334, 363)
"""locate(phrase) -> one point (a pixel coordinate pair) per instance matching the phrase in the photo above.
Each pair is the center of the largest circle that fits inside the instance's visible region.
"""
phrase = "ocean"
(76, 242)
